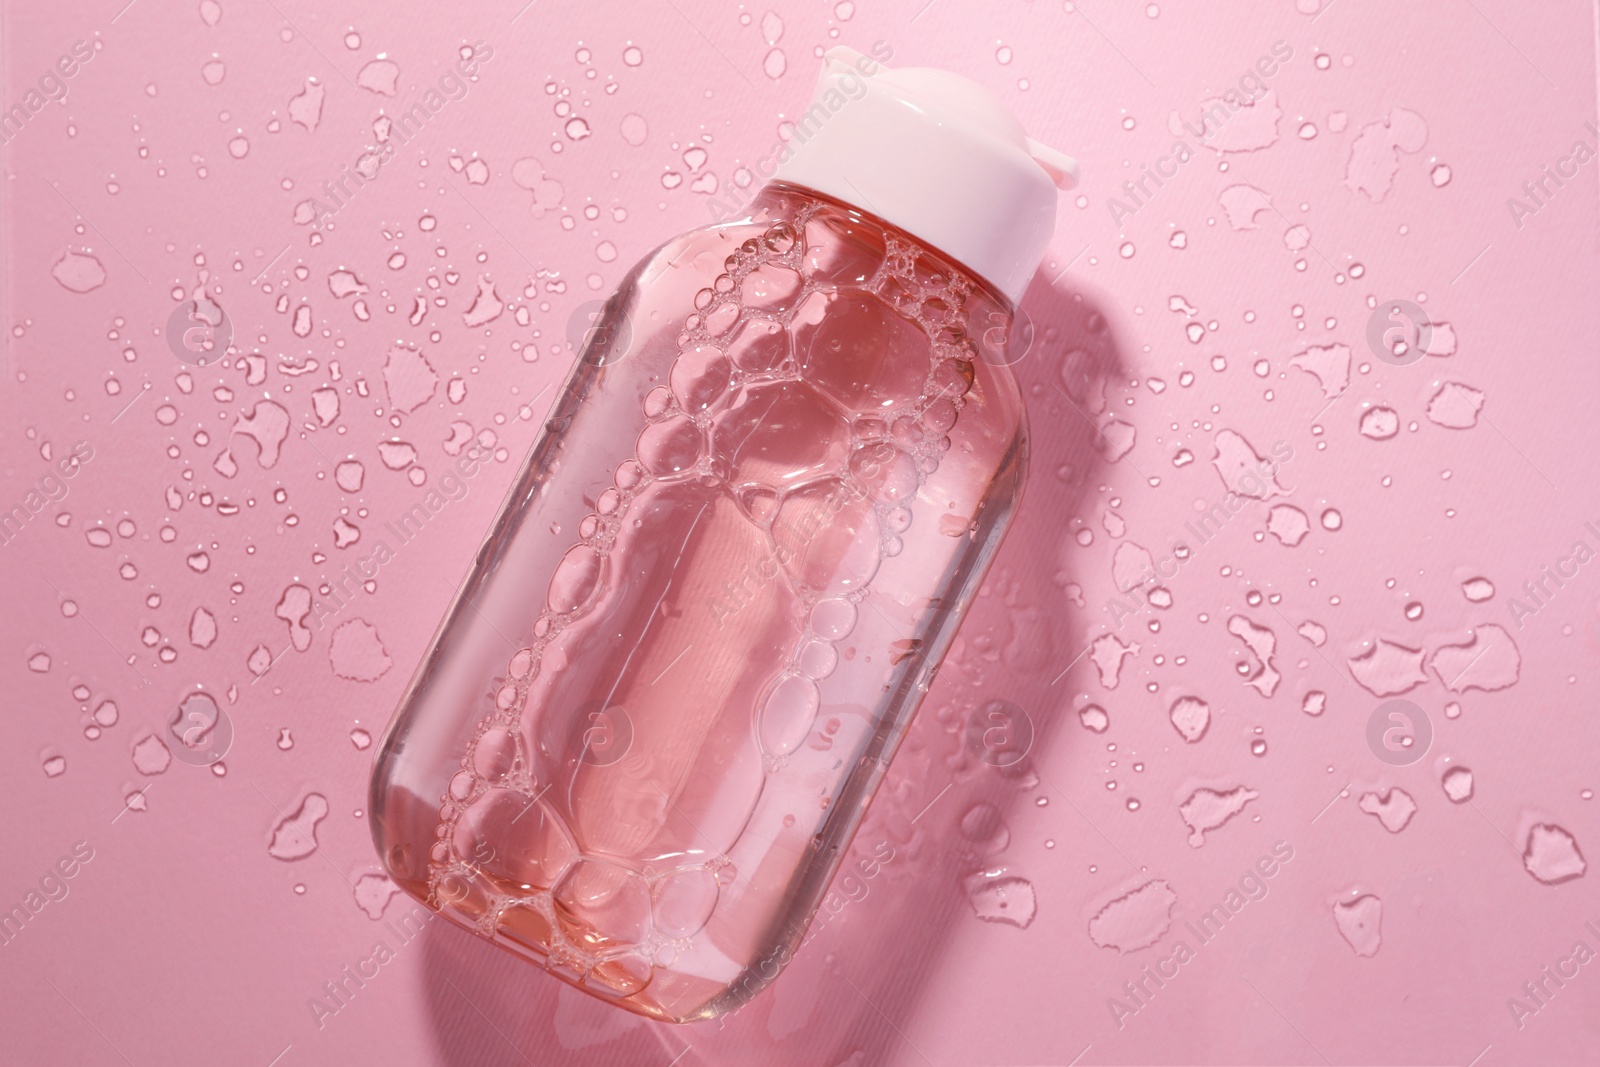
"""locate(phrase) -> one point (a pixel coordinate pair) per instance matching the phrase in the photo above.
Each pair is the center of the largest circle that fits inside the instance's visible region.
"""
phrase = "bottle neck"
(782, 200)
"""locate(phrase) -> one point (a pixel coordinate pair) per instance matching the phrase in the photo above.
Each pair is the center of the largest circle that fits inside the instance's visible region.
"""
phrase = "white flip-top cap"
(938, 156)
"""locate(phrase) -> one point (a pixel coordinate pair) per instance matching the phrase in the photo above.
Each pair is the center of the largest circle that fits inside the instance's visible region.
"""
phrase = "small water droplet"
(295, 836)
(1457, 784)
(1360, 923)
(1094, 717)
(1552, 855)
(1000, 897)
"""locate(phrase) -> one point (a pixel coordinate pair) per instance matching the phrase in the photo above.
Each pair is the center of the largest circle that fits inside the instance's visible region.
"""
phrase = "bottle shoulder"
(815, 292)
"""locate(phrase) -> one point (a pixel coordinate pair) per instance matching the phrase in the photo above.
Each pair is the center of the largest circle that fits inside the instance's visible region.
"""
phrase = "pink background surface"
(184, 940)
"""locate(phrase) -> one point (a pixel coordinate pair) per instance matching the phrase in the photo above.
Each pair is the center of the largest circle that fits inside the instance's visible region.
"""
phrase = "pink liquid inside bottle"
(721, 583)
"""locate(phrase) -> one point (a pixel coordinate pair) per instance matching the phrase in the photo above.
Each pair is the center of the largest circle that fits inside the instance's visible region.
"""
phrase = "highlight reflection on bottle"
(706, 613)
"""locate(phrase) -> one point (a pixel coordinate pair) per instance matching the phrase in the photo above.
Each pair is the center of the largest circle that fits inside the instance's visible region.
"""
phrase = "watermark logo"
(51, 85)
(199, 331)
(1399, 332)
(1541, 589)
(1000, 733)
(1251, 92)
(52, 889)
(1544, 188)
(201, 733)
(599, 337)
(1399, 732)
(392, 133)
(604, 737)
(1142, 577)
(1007, 341)
(50, 488)
(852, 884)
(339, 592)
(339, 992)
(848, 83)
(1539, 992)
(1205, 926)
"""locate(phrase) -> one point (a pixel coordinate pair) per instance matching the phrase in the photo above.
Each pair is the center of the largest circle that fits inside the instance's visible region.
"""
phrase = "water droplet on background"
(1136, 919)
(295, 836)
(999, 897)
(1457, 784)
(1360, 923)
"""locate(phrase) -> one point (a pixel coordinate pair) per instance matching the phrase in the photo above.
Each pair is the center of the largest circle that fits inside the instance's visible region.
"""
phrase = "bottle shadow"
(932, 848)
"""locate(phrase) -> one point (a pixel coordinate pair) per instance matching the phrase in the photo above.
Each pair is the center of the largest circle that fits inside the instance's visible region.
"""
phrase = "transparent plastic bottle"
(721, 584)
